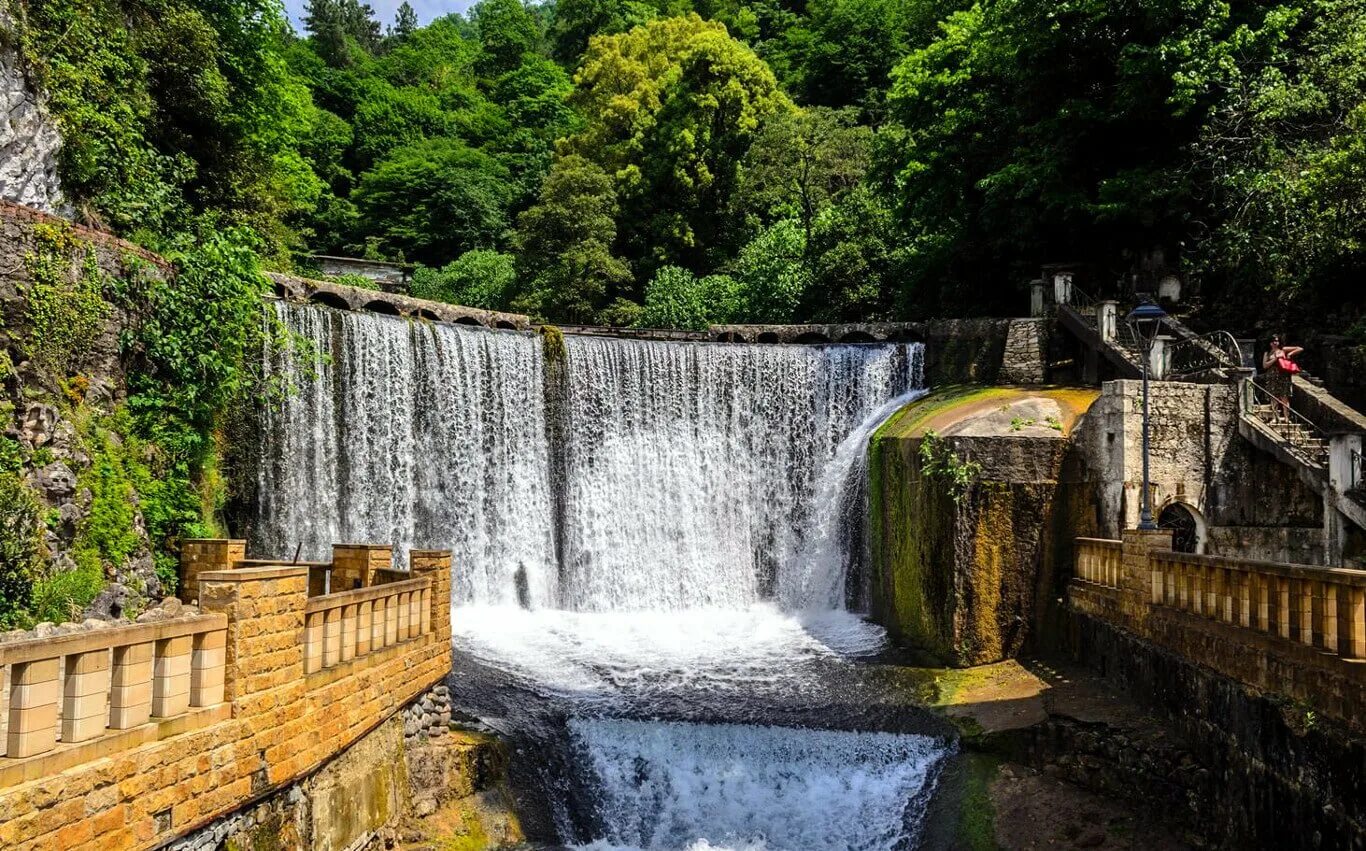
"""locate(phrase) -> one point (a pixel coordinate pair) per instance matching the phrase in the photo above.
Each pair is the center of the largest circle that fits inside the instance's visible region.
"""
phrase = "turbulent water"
(641, 531)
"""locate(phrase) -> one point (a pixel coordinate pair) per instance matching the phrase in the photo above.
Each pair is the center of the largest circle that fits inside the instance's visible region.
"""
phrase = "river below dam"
(659, 564)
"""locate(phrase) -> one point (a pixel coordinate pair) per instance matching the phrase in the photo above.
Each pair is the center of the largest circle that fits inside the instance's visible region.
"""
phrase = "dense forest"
(680, 162)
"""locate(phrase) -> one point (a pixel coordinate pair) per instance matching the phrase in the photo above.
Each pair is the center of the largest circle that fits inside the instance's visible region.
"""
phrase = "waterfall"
(413, 433)
(750, 788)
(694, 475)
(640, 530)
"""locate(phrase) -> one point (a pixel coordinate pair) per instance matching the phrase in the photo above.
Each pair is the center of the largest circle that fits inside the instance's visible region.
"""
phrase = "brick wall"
(276, 724)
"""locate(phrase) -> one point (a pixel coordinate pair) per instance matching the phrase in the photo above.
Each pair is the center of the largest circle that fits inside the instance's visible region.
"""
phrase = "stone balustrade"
(132, 736)
(1323, 608)
(349, 624)
(1099, 561)
(77, 696)
(1288, 629)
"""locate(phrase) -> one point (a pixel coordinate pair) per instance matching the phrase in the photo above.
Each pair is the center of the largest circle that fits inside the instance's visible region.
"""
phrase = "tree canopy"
(678, 161)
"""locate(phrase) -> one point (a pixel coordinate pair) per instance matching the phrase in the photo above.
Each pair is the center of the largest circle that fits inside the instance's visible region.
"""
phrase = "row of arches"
(328, 298)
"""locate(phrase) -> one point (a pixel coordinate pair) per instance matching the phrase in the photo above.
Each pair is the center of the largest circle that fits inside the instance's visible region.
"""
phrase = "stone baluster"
(348, 633)
(171, 676)
(332, 634)
(85, 698)
(364, 628)
(1330, 616)
(404, 612)
(130, 695)
(1306, 612)
(1355, 632)
(208, 664)
(35, 688)
(391, 621)
(313, 640)
(379, 620)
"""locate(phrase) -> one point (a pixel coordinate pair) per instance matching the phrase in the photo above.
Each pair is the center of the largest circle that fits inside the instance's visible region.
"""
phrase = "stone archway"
(1185, 524)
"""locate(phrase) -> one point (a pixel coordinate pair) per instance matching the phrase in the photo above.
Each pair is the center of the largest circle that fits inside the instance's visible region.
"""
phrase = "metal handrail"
(1251, 397)
(1193, 355)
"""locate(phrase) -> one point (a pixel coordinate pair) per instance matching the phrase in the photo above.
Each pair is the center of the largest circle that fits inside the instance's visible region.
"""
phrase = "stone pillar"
(1062, 288)
(353, 565)
(265, 609)
(1107, 320)
(1344, 461)
(1136, 574)
(200, 554)
(1159, 359)
(1037, 302)
(437, 565)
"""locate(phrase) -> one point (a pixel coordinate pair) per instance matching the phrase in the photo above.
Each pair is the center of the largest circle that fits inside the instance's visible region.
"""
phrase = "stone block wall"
(276, 725)
(1246, 502)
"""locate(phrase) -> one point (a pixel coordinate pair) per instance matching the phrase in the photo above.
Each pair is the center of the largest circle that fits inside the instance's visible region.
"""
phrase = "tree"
(435, 199)
(676, 298)
(479, 278)
(773, 272)
(335, 24)
(405, 20)
(565, 243)
(507, 31)
(803, 161)
(669, 110)
(1031, 131)
(1285, 156)
(857, 261)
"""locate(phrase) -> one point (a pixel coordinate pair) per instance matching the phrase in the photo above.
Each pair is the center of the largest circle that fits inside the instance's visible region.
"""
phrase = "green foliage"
(507, 31)
(22, 551)
(773, 271)
(938, 461)
(433, 197)
(359, 282)
(478, 278)
(64, 303)
(676, 298)
(669, 110)
(565, 243)
(803, 161)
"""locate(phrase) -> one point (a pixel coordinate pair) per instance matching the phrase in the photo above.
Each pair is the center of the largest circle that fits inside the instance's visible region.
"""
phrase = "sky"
(427, 10)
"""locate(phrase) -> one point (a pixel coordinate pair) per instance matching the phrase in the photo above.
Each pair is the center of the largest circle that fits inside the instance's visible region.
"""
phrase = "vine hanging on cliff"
(938, 461)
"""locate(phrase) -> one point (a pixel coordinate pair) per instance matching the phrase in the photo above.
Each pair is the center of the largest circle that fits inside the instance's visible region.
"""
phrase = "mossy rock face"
(957, 565)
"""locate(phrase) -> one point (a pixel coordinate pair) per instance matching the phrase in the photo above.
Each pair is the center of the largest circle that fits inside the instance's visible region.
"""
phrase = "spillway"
(655, 544)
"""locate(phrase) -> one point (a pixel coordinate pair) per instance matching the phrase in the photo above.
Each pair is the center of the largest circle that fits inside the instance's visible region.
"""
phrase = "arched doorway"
(1185, 527)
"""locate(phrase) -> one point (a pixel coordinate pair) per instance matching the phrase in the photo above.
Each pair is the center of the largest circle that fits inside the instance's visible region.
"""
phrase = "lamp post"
(1145, 321)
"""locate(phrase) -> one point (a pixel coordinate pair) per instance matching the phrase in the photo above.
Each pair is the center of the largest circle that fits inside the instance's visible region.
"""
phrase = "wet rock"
(69, 517)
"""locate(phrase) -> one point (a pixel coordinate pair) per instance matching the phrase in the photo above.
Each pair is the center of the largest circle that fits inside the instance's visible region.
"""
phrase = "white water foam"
(687, 787)
(596, 659)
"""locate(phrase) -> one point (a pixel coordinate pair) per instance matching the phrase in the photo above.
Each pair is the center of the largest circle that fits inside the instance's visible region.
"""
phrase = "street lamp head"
(1146, 320)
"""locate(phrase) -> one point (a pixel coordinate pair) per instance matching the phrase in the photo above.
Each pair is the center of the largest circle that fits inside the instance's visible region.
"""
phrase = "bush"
(21, 547)
(478, 278)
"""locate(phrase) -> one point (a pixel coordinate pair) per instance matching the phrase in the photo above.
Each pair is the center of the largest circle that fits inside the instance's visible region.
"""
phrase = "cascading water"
(641, 530)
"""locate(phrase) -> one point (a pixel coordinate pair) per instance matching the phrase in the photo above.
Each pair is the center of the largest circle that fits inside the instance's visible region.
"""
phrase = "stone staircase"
(1299, 437)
